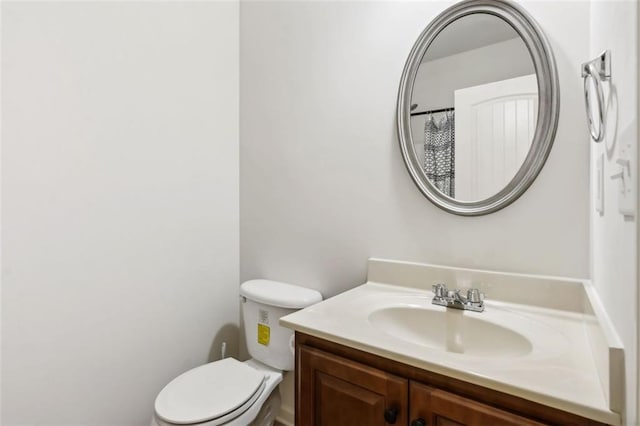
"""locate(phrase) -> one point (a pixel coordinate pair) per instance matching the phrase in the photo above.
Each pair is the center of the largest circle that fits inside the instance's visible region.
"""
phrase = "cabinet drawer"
(440, 408)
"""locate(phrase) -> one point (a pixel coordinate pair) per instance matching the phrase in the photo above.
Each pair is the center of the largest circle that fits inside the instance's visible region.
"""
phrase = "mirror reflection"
(474, 107)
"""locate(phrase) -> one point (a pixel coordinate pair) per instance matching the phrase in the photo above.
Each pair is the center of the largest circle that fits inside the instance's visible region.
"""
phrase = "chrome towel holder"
(598, 70)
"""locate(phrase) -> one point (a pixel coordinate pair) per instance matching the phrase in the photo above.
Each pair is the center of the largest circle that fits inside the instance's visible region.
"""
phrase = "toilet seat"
(214, 393)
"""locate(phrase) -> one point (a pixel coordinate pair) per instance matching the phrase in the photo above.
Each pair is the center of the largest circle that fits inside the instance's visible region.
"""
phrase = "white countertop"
(561, 371)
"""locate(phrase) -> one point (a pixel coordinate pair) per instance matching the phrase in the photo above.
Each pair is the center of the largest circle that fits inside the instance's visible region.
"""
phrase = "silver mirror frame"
(548, 105)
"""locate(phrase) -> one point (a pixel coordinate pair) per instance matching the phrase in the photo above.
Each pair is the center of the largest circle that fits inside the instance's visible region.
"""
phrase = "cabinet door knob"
(418, 422)
(391, 415)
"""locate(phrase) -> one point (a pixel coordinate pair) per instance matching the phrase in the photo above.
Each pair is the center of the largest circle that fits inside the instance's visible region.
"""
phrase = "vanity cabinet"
(341, 386)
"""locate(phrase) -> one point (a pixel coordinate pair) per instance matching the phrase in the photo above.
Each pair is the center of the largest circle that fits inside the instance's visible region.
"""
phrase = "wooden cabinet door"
(335, 391)
(435, 407)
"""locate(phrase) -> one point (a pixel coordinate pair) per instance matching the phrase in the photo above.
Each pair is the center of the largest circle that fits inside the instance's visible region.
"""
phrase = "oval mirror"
(478, 106)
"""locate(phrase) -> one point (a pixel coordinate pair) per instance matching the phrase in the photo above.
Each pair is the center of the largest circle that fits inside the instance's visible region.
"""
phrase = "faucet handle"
(474, 296)
(460, 298)
(440, 290)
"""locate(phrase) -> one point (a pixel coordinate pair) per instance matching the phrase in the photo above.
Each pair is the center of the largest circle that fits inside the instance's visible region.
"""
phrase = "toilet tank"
(263, 303)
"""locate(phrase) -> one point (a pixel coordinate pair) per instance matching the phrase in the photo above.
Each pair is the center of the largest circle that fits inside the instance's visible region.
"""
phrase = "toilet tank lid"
(279, 294)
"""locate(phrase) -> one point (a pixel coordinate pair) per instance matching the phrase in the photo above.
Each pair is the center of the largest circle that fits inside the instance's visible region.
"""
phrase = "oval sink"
(451, 330)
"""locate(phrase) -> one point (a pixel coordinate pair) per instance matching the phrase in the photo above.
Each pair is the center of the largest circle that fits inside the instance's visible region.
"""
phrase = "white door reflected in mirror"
(495, 124)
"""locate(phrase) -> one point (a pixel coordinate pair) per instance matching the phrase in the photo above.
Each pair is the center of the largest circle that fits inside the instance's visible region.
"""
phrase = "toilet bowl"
(234, 393)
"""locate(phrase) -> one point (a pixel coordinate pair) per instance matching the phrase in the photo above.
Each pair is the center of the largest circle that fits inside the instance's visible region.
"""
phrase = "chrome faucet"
(474, 301)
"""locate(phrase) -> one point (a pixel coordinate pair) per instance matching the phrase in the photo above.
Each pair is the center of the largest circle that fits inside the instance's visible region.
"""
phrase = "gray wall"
(322, 182)
(437, 80)
(614, 261)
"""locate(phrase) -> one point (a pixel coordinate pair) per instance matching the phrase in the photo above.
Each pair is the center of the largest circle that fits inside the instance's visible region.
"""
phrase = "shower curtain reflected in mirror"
(439, 151)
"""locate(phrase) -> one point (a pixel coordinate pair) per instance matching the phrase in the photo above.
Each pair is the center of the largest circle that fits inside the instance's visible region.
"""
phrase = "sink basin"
(451, 330)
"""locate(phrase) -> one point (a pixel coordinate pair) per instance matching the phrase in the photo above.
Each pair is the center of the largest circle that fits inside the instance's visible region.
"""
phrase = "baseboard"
(286, 417)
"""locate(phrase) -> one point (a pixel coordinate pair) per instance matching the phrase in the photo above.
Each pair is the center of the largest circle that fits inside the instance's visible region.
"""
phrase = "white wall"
(614, 26)
(120, 203)
(322, 182)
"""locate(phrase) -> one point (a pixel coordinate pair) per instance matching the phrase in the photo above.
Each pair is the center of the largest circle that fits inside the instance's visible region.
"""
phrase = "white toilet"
(234, 393)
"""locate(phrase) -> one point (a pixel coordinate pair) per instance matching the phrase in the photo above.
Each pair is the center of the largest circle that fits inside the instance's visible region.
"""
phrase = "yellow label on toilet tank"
(263, 334)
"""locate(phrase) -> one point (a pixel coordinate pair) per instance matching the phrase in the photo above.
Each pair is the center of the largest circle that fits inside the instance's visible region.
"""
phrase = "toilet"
(233, 393)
